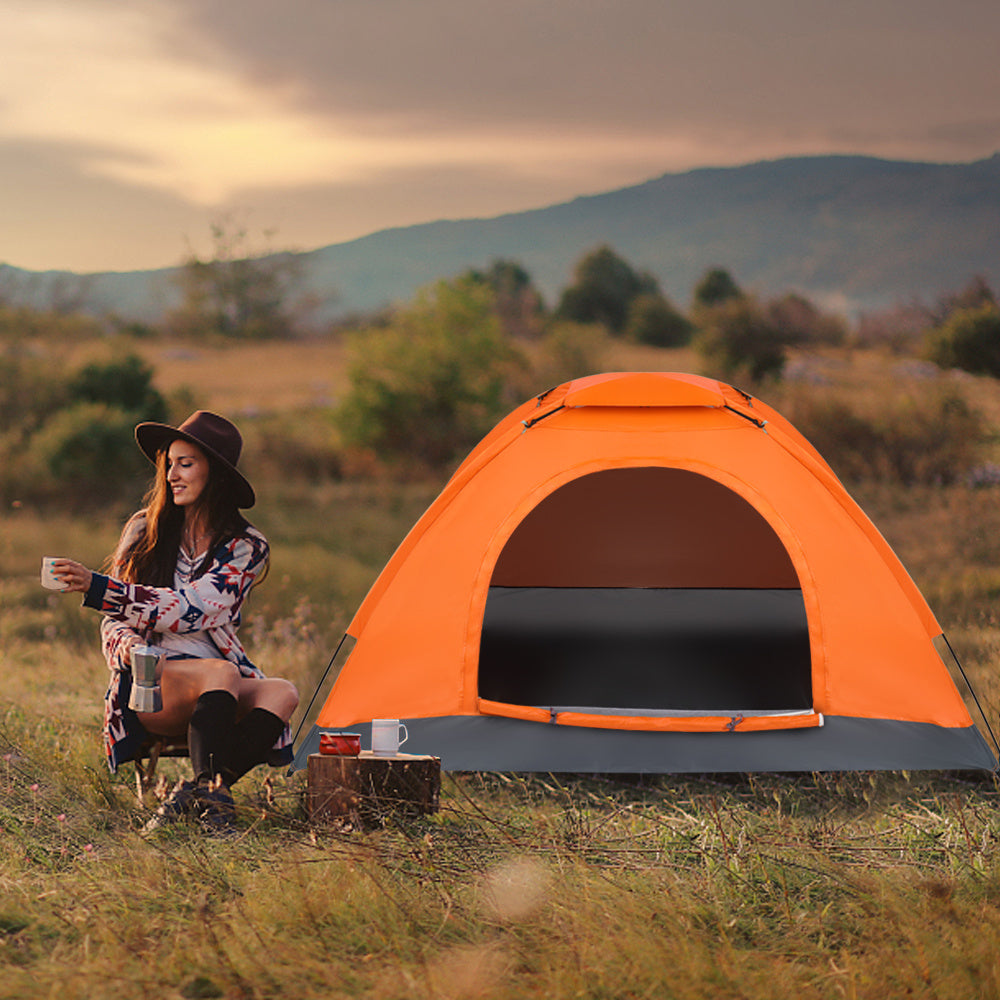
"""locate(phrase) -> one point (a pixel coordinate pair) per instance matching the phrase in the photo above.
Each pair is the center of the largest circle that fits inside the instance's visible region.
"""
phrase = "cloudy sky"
(127, 129)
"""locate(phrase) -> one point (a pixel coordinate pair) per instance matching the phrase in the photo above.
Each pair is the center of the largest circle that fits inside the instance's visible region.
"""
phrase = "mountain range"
(852, 232)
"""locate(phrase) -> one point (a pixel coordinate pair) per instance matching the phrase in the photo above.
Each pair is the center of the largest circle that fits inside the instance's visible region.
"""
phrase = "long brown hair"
(151, 556)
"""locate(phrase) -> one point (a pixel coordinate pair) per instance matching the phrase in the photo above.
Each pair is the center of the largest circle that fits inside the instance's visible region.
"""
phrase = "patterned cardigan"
(136, 612)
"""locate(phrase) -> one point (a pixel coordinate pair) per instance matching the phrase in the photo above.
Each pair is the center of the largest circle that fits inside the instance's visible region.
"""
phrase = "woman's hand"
(75, 576)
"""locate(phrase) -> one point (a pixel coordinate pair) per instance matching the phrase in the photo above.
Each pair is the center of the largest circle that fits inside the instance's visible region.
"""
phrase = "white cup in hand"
(49, 579)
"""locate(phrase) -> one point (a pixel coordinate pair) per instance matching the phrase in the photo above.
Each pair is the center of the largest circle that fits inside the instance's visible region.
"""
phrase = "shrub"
(432, 382)
(739, 339)
(933, 439)
(604, 287)
(715, 287)
(802, 323)
(517, 302)
(86, 453)
(125, 384)
(70, 437)
(654, 321)
(969, 339)
(975, 294)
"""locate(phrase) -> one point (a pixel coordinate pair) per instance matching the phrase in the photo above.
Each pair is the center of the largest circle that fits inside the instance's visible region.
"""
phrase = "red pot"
(340, 744)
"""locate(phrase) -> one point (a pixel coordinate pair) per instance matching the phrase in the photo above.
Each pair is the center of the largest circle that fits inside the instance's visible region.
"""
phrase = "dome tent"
(651, 572)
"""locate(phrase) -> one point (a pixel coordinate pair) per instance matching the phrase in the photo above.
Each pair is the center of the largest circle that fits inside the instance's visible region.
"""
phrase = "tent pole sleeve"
(530, 422)
(322, 680)
(757, 421)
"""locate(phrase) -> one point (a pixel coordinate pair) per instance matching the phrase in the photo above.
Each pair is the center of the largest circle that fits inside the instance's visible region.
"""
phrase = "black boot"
(210, 734)
(253, 737)
(181, 803)
(210, 741)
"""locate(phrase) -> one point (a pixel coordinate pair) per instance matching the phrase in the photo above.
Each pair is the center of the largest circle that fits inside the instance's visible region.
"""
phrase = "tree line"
(427, 378)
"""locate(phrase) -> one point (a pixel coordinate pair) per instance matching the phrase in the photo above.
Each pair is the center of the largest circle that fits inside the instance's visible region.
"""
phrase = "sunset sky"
(126, 129)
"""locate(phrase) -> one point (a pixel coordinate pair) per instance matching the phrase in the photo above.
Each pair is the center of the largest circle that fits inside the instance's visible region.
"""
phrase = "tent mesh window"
(650, 589)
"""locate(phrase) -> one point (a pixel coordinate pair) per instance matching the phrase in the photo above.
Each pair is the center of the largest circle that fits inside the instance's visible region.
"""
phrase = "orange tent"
(651, 572)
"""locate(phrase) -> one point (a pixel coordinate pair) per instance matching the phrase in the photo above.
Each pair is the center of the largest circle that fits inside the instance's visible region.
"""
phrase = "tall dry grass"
(822, 886)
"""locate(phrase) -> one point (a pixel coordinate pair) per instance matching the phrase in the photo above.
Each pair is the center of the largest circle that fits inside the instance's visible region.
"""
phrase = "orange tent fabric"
(670, 485)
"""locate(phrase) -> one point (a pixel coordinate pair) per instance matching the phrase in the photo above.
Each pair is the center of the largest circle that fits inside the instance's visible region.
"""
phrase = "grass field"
(828, 885)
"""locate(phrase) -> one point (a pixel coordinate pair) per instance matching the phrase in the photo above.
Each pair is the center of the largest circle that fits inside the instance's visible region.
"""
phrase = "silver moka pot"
(146, 696)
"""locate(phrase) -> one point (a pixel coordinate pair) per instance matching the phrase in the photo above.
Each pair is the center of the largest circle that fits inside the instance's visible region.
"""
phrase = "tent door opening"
(650, 591)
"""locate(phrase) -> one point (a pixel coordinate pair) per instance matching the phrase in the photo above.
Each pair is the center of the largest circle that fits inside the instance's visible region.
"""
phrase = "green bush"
(87, 453)
(431, 383)
(654, 321)
(604, 287)
(125, 384)
(738, 339)
(968, 339)
(715, 287)
(68, 438)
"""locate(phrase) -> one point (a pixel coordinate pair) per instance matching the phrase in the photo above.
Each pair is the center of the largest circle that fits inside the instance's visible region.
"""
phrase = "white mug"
(49, 580)
(385, 737)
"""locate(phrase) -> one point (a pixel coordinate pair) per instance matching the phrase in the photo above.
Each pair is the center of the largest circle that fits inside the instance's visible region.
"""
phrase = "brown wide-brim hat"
(215, 435)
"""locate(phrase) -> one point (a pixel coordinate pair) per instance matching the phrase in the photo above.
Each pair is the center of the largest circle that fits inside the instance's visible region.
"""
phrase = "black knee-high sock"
(210, 733)
(253, 737)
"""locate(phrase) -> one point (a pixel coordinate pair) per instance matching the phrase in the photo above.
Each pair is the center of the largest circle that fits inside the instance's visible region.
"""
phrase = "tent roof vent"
(644, 389)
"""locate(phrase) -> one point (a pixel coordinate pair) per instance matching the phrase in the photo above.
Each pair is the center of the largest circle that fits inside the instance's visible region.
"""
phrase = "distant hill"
(850, 231)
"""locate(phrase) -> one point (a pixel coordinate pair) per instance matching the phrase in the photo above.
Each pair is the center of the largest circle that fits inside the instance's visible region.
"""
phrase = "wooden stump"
(369, 789)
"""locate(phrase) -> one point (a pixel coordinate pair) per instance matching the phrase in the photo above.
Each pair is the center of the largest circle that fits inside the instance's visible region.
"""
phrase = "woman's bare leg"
(273, 694)
(182, 683)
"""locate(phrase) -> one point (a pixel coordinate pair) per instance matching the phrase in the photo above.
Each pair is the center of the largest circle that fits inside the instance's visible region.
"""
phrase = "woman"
(178, 579)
